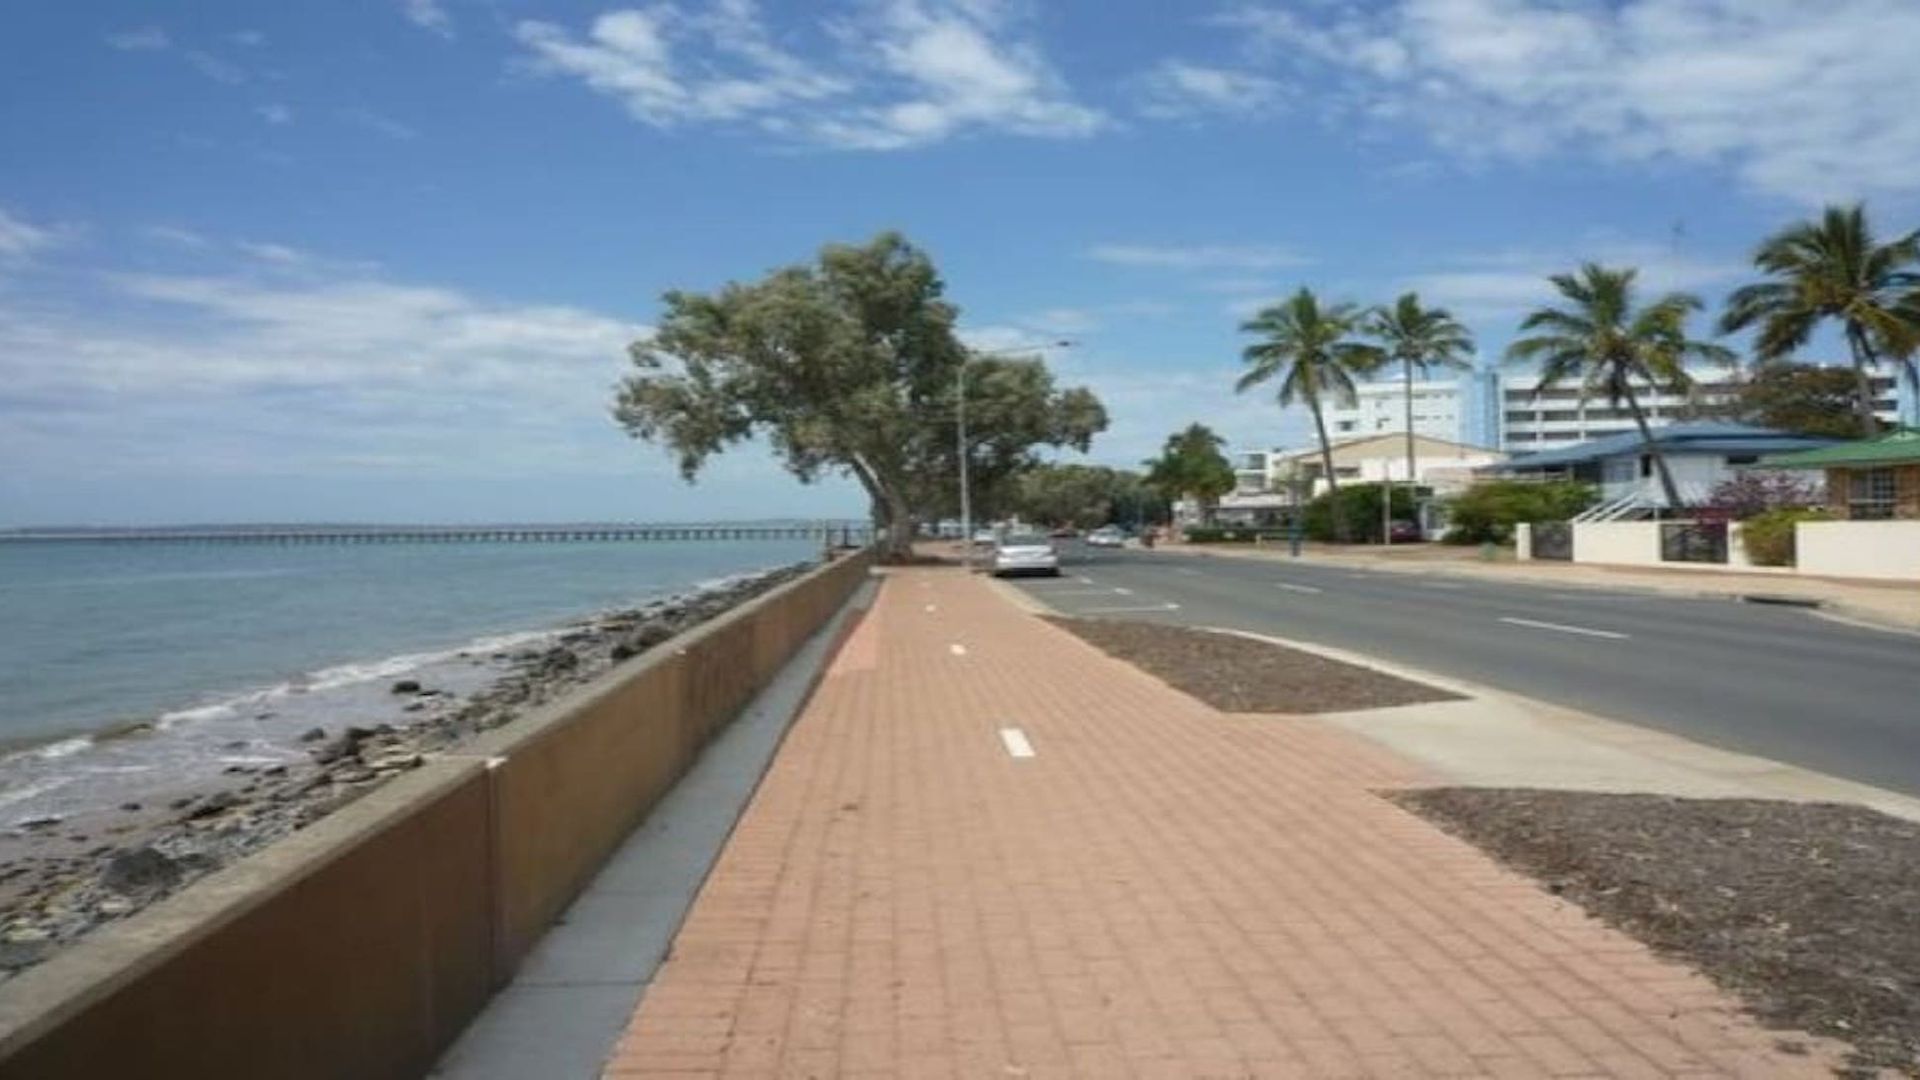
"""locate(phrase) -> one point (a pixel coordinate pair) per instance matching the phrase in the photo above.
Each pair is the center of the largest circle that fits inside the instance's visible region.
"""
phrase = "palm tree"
(1833, 269)
(1611, 344)
(1423, 338)
(1308, 348)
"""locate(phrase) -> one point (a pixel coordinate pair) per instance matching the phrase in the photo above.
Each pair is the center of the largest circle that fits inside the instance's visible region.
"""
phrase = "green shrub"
(1768, 537)
(1488, 511)
(1361, 503)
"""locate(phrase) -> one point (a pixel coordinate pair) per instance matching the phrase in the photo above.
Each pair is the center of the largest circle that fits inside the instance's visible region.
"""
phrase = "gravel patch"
(1241, 675)
(1808, 912)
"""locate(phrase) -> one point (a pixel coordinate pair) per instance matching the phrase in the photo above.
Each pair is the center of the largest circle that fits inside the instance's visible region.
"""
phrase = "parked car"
(985, 538)
(1109, 536)
(1064, 532)
(1404, 532)
(1025, 553)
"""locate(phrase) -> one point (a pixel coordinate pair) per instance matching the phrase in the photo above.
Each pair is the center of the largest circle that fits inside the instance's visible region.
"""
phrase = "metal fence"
(1552, 540)
(1693, 541)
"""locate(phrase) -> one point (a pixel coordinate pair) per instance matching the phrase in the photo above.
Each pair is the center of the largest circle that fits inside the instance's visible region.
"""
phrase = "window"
(1743, 459)
(1870, 494)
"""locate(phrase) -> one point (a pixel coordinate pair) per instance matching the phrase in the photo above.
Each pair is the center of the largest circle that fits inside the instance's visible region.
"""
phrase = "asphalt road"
(1779, 682)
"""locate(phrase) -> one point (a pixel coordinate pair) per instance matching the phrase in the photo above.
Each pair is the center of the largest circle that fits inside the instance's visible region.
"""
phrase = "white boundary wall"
(1887, 550)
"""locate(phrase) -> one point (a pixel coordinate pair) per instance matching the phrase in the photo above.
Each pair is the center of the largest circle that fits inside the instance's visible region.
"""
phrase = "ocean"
(214, 654)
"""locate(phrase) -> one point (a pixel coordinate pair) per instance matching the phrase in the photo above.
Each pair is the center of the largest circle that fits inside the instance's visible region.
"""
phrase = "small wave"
(54, 751)
(13, 796)
(214, 711)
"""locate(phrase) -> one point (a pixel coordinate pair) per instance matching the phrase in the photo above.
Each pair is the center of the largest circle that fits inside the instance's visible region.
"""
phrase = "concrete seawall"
(362, 945)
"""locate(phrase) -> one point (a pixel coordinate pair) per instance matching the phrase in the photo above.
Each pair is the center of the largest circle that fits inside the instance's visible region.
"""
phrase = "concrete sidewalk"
(1159, 890)
(1891, 604)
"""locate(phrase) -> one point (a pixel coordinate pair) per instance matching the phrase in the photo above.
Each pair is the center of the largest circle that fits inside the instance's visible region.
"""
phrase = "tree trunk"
(897, 540)
(1326, 462)
(1671, 490)
(1863, 359)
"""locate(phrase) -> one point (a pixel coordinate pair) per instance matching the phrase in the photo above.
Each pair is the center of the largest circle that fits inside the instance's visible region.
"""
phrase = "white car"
(1107, 536)
(1025, 553)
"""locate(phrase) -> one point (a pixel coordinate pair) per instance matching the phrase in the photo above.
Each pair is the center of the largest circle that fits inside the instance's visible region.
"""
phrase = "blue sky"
(378, 260)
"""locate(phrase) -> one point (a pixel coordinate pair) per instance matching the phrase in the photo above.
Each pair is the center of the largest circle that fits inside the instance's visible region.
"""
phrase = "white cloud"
(275, 113)
(1176, 89)
(251, 39)
(1807, 101)
(1493, 291)
(174, 234)
(215, 68)
(383, 125)
(229, 373)
(1197, 256)
(428, 15)
(21, 239)
(143, 39)
(924, 71)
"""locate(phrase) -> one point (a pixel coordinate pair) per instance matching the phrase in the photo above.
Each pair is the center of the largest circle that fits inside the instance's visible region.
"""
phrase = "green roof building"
(1869, 480)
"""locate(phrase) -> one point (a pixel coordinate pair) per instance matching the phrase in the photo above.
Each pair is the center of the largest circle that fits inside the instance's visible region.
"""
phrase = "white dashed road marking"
(1563, 628)
(1119, 610)
(1016, 742)
(1291, 587)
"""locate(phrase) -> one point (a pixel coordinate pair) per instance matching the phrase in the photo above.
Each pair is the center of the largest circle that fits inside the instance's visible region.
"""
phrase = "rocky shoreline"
(64, 877)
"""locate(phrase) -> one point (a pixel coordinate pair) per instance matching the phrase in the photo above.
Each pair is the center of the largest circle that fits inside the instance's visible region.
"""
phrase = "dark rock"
(129, 806)
(414, 706)
(15, 955)
(139, 872)
(237, 744)
(44, 821)
(313, 734)
(407, 686)
(180, 804)
(217, 803)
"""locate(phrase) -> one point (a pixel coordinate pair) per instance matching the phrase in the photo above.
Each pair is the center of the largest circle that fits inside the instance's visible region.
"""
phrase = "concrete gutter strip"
(576, 991)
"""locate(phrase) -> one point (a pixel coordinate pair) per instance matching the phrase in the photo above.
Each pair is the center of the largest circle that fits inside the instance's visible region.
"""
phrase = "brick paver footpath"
(1159, 890)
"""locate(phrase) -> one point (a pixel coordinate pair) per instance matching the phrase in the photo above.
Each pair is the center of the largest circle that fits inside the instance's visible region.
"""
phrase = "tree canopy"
(1802, 398)
(1606, 339)
(1835, 269)
(1191, 466)
(847, 364)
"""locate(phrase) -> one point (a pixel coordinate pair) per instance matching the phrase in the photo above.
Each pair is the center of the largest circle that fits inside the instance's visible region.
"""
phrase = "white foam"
(54, 751)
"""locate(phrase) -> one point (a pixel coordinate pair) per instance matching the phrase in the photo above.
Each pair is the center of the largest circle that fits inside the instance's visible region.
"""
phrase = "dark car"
(1404, 532)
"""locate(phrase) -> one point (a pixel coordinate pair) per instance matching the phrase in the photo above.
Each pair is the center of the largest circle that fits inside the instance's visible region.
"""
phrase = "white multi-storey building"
(1380, 407)
(1533, 420)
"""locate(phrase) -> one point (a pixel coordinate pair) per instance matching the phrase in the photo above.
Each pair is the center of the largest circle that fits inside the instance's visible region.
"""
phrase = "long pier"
(846, 533)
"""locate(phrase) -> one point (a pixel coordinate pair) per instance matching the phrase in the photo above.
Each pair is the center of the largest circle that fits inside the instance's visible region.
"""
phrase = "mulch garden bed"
(1809, 912)
(1241, 675)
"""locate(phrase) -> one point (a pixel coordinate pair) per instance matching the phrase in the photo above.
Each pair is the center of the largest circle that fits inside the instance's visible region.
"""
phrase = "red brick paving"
(1162, 891)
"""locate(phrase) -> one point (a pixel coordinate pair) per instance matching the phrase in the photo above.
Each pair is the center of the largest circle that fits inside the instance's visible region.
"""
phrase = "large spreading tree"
(847, 364)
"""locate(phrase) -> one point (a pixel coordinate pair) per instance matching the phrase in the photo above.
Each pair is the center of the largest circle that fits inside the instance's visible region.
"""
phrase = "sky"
(379, 260)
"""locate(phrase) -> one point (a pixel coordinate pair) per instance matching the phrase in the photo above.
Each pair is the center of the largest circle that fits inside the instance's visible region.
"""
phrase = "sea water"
(215, 652)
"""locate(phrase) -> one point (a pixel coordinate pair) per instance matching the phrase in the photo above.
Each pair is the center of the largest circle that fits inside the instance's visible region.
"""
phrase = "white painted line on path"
(1118, 610)
(1122, 592)
(1861, 624)
(1084, 580)
(957, 649)
(1291, 587)
(1443, 585)
(1187, 570)
(1082, 592)
(1016, 742)
(1562, 628)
